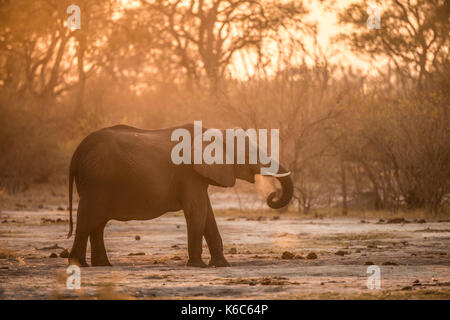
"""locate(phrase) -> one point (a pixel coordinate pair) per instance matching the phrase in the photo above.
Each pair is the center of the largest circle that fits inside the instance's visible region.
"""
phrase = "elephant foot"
(219, 262)
(101, 262)
(196, 263)
(77, 262)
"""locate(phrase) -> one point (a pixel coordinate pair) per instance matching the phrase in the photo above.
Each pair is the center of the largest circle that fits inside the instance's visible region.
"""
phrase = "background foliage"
(351, 138)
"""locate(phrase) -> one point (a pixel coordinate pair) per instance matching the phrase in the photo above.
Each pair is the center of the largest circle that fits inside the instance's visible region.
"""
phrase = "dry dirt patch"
(269, 259)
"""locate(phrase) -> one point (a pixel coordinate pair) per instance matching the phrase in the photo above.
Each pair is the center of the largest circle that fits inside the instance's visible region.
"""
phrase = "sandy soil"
(154, 266)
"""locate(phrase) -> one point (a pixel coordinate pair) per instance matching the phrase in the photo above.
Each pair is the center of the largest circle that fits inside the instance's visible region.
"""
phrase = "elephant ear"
(218, 172)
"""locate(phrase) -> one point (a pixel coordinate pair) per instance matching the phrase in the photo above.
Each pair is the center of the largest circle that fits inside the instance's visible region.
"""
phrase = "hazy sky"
(328, 27)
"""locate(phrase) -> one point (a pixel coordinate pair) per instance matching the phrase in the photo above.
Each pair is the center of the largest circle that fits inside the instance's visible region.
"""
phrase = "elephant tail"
(71, 177)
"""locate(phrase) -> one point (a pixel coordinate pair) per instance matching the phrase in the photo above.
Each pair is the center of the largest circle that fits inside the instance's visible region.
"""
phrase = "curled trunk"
(276, 201)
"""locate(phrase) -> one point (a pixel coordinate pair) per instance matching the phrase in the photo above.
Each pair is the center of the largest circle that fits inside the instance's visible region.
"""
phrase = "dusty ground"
(419, 254)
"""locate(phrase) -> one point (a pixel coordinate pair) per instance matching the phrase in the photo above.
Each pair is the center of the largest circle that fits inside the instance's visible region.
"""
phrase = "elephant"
(125, 173)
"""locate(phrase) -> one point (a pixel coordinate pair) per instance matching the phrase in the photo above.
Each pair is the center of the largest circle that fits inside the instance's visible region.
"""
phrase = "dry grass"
(322, 213)
(360, 236)
(380, 214)
(6, 253)
(104, 291)
(264, 281)
(108, 291)
(37, 196)
(433, 230)
(425, 294)
(45, 195)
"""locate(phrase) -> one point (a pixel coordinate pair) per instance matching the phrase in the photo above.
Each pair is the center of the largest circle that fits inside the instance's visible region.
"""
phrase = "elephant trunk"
(287, 189)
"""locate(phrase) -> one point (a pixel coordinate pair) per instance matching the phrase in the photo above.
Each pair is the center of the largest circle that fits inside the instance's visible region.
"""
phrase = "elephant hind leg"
(98, 251)
(78, 253)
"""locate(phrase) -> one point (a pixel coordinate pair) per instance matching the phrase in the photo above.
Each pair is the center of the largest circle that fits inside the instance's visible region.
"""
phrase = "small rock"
(252, 283)
(60, 208)
(232, 250)
(389, 263)
(397, 220)
(311, 256)
(341, 253)
(416, 281)
(421, 221)
(64, 253)
(174, 246)
(407, 288)
(178, 226)
(287, 255)
(137, 238)
(176, 258)
(363, 221)
(380, 221)
(369, 263)
(53, 255)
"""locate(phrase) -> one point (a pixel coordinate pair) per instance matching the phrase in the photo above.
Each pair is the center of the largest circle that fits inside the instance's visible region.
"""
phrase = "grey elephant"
(124, 173)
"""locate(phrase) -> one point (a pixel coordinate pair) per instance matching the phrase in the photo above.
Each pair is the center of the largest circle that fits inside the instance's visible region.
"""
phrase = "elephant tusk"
(278, 175)
(281, 175)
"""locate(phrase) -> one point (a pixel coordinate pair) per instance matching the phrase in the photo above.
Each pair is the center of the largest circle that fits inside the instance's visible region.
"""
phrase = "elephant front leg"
(195, 214)
(214, 240)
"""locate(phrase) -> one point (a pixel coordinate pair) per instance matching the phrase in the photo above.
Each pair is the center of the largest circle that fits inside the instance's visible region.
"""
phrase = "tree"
(204, 35)
(33, 47)
(414, 35)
